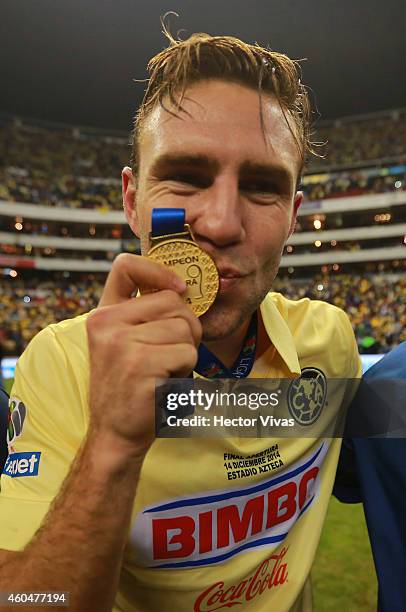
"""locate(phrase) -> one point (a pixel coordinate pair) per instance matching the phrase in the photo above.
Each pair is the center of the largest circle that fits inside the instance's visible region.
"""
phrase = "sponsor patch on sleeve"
(22, 464)
(16, 417)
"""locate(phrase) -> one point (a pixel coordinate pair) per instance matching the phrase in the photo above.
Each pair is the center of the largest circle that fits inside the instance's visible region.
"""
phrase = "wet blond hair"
(226, 58)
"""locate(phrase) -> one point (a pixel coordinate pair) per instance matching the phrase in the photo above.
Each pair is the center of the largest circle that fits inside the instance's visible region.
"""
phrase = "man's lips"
(229, 272)
(228, 278)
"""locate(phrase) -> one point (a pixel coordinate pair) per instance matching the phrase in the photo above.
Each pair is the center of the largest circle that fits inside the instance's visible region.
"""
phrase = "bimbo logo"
(209, 529)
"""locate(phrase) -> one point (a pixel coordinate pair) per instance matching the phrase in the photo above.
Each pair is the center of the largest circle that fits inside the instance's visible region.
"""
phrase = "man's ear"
(129, 199)
(296, 203)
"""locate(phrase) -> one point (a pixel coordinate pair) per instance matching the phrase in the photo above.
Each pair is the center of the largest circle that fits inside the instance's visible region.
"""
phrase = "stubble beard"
(227, 315)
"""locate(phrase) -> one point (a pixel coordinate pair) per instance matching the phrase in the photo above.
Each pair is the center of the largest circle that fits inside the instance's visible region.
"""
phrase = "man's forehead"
(230, 113)
(207, 102)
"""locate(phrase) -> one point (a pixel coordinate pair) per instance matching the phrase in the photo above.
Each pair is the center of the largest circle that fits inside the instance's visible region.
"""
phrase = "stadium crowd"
(27, 306)
(376, 305)
(67, 191)
(132, 246)
(70, 168)
(356, 182)
(371, 139)
(61, 150)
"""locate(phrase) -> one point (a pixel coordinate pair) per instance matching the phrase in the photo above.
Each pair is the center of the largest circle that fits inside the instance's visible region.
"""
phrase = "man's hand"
(133, 342)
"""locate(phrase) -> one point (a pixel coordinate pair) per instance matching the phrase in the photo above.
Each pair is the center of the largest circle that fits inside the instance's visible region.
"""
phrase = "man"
(222, 133)
(372, 471)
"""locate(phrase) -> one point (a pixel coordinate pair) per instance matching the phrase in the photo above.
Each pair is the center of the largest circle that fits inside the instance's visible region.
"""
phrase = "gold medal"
(182, 255)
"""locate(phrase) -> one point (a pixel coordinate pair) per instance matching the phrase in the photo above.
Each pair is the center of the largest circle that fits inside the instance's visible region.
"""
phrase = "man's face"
(238, 191)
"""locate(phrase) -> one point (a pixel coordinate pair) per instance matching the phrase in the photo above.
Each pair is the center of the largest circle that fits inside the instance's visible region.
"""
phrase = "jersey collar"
(280, 334)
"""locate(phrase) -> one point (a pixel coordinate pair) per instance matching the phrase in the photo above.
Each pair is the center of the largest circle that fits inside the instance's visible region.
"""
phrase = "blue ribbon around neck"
(209, 366)
(167, 221)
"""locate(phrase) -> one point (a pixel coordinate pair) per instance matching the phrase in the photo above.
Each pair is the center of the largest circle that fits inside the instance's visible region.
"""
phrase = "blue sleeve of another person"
(373, 471)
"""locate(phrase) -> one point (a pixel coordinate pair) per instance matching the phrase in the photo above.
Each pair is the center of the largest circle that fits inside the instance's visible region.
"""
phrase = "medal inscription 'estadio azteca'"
(194, 266)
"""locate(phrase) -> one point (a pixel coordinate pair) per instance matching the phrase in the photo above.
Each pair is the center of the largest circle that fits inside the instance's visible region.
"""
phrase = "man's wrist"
(113, 452)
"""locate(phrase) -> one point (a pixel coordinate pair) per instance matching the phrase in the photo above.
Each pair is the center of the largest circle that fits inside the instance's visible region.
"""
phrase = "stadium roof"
(74, 61)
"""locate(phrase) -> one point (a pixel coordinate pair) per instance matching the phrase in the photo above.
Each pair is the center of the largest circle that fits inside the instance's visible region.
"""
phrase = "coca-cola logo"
(270, 573)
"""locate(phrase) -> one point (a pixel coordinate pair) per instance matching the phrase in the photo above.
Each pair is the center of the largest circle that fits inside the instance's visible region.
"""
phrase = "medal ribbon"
(209, 366)
(167, 221)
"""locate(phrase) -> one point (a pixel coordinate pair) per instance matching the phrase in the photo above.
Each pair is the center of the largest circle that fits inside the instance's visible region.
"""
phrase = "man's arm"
(132, 342)
(80, 545)
(372, 471)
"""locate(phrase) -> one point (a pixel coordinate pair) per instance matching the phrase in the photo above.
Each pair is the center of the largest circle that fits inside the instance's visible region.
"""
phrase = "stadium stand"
(376, 304)
(77, 168)
(62, 224)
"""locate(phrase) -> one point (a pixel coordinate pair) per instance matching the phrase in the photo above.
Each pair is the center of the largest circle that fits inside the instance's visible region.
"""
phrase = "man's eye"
(188, 179)
(258, 186)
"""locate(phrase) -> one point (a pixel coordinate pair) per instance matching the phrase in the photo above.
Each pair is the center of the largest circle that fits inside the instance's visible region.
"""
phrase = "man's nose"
(219, 216)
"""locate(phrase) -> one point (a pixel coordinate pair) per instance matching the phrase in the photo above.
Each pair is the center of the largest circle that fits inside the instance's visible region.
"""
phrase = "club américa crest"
(307, 396)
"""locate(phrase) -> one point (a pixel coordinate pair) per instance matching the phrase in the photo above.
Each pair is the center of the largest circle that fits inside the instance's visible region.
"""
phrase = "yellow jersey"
(216, 523)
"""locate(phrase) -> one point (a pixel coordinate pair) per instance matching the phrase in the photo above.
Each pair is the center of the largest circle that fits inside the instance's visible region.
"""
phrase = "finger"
(168, 360)
(169, 331)
(130, 271)
(162, 305)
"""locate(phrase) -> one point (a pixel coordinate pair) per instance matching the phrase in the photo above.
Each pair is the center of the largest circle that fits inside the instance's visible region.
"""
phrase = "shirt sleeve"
(47, 422)
(377, 407)
(352, 370)
(354, 359)
(346, 486)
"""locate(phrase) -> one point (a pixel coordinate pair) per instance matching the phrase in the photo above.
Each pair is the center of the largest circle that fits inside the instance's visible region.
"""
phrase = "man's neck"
(228, 349)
